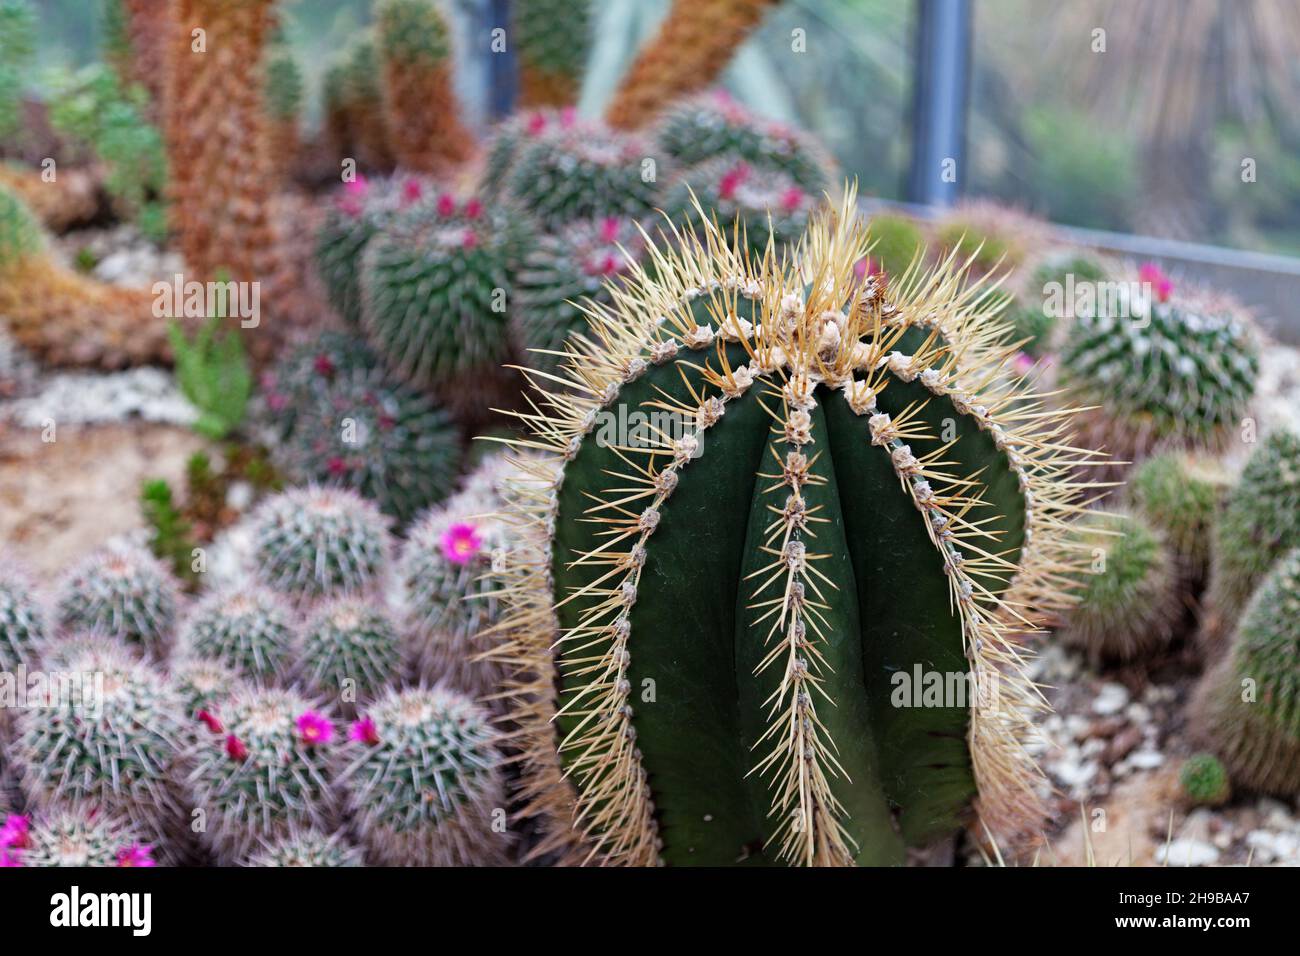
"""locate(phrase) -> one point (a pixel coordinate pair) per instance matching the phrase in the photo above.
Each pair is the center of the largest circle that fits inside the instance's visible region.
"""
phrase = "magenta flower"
(446, 204)
(609, 229)
(469, 240)
(324, 365)
(136, 855)
(364, 731)
(731, 181)
(315, 728)
(336, 466)
(1023, 363)
(412, 190)
(568, 117)
(473, 209)
(13, 832)
(791, 199)
(8, 859)
(460, 543)
(536, 124)
(210, 721)
(235, 748)
(357, 187)
(1152, 274)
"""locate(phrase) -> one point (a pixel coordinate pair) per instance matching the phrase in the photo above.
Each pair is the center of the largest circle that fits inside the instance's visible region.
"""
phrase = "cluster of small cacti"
(761, 206)
(124, 592)
(72, 837)
(1181, 493)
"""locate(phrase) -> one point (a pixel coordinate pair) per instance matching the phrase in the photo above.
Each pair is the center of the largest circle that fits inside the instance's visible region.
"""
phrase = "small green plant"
(171, 537)
(213, 373)
(1204, 781)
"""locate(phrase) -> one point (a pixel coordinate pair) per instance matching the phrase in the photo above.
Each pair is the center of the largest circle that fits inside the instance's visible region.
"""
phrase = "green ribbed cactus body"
(78, 837)
(24, 626)
(1180, 494)
(1248, 704)
(775, 553)
(123, 591)
(351, 651)
(284, 86)
(895, 242)
(709, 127)
(552, 39)
(307, 848)
(250, 629)
(435, 289)
(768, 204)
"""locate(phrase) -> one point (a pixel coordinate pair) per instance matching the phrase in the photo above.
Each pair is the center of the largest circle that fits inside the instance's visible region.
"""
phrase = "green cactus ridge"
(1248, 704)
(766, 205)
(24, 626)
(563, 269)
(1259, 523)
(1129, 602)
(553, 37)
(412, 32)
(314, 541)
(250, 629)
(424, 789)
(1180, 494)
(21, 235)
(284, 86)
(203, 684)
(123, 591)
(725, 621)
(307, 848)
(435, 292)
(259, 778)
(1204, 780)
(1185, 376)
(352, 650)
(896, 242)
(712, 126)
(77, 837)
(584, 170)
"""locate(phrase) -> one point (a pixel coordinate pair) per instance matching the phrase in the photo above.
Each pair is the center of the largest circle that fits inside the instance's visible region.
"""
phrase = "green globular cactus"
(1129, 601)
(560, 271)
(896, 242)
(708, 127)
(313, 542)
(446, 567)
(351, 651)
(111, 736)
(263, 771)
(784, 491)
(82, 837)
(250, 629)
(24, 624)
(203, 685)
(123, 591)
(1247, 708)
(359, 429)
(435, 290)
(754, 206)
(296, 381)
(584, 170)
(360, 210)
(423, 783)
(1204, 781)
(284, 86)
(1180, 494)
(511, 137)
(1162, 372)
(1259, 523)
(307, 848)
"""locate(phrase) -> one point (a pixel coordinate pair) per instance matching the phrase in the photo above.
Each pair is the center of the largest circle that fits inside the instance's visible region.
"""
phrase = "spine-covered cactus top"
(771, 490)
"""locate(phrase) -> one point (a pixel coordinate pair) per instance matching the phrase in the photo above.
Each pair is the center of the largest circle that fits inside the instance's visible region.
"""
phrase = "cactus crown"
(249, 629)
(76, 836)
(307, 848)
(412, 32)
(204, 685)
(123, 591)
(350, 639)
(759, 205)
(791, 377)
(1180, 493)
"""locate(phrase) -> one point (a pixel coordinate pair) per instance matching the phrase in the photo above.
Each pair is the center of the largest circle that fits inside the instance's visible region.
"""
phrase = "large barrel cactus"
(773, 509)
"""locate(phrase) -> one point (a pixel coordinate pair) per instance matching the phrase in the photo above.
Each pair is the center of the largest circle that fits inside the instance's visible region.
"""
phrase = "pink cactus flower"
(792, 199)
(412, 190)
(235, 748)
(13, 833)
(568, 117)
(469, 240)
(364, 731)
(136, 855)
(336, 466)
(536, 124)
(460, 543)
(315, 728)
(324, 365)
(210, 721)
(352, 201)
(731, 181)
(609, 229)
(1153, 275)
(1023, 363)
(473, 209)
(8, 859)
(446, 204)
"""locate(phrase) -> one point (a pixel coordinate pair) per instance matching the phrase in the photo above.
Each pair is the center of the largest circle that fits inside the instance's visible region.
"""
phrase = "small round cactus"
(261, 771)
(250, 629)
(295, 381)
(1204, 781)
(361, 209)
(992, 236)
(123, 591)
(566, 267)
(446, 568)
(1129, 604)
(896, 242)
(315, 541)
(1162, 371)
(509, 139)
(582, 170)
(360, 430)
(80, 837)
(423, 783)
(351, 651)
(766, 205)
(1259, 523)
(707, 127)
(434, 292)
(203, 685)
(114, 741)
(307, 848)
(1180, 494)
(1247, 707)
(23, 624)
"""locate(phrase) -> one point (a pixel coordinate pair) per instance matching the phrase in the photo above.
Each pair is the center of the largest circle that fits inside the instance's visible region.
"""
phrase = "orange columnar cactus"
(420, 107)
(693, 46)
(146, 25)
(71, 199)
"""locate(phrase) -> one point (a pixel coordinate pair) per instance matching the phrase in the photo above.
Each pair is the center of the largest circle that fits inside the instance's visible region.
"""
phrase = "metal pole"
(939, 106)
(502, 79)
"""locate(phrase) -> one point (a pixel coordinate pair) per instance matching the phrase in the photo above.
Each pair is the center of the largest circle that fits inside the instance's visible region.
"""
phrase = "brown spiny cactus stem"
(692, 48)
(423, 116)
(147, 23)
(73, 198)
